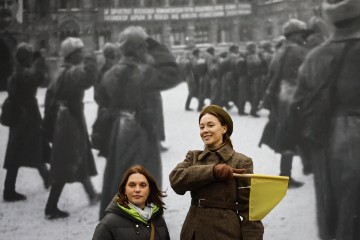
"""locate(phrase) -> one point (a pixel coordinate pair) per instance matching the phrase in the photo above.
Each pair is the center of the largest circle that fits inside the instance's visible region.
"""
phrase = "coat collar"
(225, 152)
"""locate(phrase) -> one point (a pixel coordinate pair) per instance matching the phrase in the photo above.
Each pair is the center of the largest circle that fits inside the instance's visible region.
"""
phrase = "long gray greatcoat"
(336, 165)
(26, 144)
(195, 174)
(283, 73)
(71, 156)
(131, 88)
(227, 76)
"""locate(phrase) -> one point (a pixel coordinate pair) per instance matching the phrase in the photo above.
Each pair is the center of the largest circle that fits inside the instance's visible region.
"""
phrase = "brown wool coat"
(195, 174)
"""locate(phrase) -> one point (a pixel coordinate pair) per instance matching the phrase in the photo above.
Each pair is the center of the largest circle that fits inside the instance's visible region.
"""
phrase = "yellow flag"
(265, 193)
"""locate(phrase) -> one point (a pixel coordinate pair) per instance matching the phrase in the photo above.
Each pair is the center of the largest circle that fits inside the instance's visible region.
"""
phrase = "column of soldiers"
(230, 78)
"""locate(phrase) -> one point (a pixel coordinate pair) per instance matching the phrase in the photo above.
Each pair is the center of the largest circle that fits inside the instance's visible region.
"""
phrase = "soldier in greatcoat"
(227, 77)
(283, 75)
(255, 72)
(266, 54)
(326, 113)
(199, 68)
(8, 42)
(191, 78)
(145, 68)
(71, 155)
(212, 62)
(99, 135)
(26, 145)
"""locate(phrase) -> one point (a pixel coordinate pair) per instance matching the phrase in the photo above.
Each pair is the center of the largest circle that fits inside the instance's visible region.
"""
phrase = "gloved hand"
(223, 172)
(239, 170)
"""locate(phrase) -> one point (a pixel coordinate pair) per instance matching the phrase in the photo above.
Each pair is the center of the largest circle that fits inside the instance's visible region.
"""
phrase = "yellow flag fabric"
(266, 192)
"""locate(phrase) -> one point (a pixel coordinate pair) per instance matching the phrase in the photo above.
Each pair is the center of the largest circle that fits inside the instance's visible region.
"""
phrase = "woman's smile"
(211, 131)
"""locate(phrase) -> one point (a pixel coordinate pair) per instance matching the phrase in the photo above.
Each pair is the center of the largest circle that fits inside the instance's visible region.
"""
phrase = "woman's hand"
(223, 172)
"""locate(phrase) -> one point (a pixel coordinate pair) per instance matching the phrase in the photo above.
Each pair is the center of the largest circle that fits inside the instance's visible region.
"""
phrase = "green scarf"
(135, 214)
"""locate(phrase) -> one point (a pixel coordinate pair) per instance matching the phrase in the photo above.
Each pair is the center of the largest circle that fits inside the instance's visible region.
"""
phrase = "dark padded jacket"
(117, 224)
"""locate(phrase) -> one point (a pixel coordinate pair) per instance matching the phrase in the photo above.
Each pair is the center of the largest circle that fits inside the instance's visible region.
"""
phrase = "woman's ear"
(224, 129)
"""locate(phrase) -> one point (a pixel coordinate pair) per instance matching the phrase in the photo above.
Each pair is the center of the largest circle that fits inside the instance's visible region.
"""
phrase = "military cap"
(221, 114)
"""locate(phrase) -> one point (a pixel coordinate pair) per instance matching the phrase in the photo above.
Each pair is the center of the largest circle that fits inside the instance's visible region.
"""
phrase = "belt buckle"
(199, 202)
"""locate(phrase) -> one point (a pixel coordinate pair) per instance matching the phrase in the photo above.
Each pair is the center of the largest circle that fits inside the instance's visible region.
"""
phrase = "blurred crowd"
(242, 73)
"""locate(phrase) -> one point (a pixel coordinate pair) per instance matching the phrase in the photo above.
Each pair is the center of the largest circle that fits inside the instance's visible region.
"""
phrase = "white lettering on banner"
(174, 16)
(144, 10)
(231, 13)
(170, 10)
(241, 12)
(188, 15)
(116, 18)
(115, 11)
(230, 6)
(205, 14)
(243, 6)
(188, 9)
(137, 17)
(219, 7)
(204, 9)
(175, 13)
(161, 16)
(218, 14)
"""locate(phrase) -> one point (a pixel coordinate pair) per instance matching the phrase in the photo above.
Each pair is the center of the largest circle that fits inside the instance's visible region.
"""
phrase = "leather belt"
(215, 204)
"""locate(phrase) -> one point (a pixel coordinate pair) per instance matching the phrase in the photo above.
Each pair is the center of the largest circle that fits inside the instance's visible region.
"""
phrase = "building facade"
(270, 15)
(45, 23)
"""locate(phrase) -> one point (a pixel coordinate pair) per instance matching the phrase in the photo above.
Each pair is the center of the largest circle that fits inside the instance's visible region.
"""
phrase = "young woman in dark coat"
(26, 145)
(136, 211)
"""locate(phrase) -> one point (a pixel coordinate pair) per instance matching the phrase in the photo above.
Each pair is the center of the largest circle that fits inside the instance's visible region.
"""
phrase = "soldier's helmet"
(340, 10)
